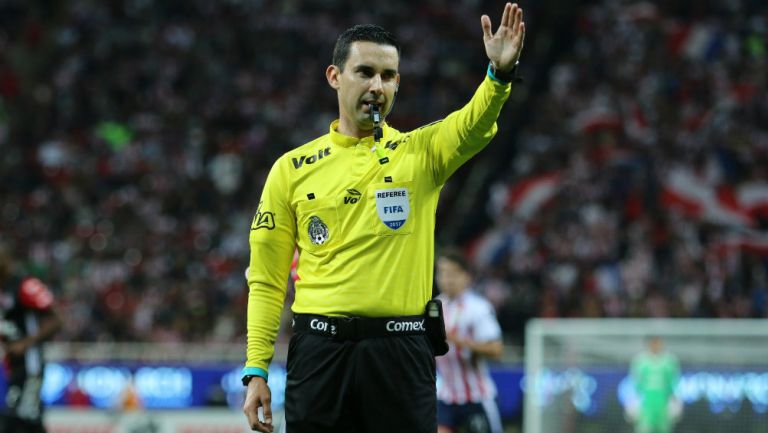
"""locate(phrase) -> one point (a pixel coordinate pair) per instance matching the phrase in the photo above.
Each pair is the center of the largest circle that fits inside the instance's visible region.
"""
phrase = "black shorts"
(374, 385)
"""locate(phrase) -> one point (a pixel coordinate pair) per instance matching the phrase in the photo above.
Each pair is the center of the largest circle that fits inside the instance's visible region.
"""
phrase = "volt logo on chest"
(393, 206)
(353, 197)
(297, 163)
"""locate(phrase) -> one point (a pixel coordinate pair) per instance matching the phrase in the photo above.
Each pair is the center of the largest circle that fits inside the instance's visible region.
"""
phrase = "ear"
(332, 73)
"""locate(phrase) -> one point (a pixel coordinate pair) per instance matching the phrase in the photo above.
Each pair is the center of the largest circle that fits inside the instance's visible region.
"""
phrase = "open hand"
(504, 47)
(258, 395)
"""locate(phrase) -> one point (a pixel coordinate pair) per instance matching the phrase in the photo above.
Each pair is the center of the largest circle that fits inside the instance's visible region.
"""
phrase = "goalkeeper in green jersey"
(655, 373)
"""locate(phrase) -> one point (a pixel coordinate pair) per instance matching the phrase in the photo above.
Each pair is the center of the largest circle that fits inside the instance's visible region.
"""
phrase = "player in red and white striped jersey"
(466, 393)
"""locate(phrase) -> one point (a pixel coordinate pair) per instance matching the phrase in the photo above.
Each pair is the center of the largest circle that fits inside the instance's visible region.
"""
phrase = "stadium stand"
(629, 181)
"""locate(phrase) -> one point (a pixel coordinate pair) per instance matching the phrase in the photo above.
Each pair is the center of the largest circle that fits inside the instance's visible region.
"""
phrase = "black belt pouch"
(435, 325)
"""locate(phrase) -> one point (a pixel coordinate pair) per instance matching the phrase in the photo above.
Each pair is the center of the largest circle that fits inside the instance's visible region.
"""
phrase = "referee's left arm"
(465, 132)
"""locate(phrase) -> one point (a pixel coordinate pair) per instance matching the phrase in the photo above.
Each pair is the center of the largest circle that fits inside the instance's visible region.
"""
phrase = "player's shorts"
(469, 417)
(12, 424)
(361, 385)
(23, 411)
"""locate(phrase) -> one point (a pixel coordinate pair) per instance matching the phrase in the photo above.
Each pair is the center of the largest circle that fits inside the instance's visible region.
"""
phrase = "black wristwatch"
(506, 77)
(247, 378)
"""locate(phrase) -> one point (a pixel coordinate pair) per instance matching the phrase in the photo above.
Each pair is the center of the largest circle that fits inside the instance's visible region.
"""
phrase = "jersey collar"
(342, 140)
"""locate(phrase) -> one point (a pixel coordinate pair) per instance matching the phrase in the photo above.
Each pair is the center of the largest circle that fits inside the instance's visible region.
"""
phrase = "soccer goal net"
(633, 375)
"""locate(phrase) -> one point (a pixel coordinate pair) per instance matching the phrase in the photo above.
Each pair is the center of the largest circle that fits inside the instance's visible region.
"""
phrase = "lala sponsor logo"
(263, 219)
(393, 206)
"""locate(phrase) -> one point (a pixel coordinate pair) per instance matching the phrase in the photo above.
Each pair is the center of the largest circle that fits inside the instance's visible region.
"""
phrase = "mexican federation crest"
(318, 231)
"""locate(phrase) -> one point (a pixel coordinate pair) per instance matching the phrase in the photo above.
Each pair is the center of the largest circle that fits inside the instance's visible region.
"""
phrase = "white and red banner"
(753, 198)
(721, 205)
(748, 241)
(525, 198)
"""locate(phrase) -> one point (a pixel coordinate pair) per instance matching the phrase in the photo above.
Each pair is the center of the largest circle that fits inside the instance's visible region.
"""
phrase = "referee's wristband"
(501, 76)
(250, 372)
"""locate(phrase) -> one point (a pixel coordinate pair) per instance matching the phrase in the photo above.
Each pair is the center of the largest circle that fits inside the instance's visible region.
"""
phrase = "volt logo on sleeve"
(393, 206)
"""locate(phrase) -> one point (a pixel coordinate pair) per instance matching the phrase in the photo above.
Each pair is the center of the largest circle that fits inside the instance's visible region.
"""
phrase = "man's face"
(452, 279)
(656, 345)
(369, 76)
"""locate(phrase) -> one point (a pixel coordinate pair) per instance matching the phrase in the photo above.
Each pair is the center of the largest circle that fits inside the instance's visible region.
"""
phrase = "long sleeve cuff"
(255, 371)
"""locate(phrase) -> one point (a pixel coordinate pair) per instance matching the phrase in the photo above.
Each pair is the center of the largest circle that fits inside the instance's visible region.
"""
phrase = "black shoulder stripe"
(429, 124)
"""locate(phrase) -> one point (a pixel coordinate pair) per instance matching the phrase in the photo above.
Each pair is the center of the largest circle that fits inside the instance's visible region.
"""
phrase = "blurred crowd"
(136, 134)
(640, 185)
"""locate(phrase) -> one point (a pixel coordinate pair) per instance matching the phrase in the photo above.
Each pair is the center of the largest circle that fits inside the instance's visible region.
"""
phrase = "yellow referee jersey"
(364, 230)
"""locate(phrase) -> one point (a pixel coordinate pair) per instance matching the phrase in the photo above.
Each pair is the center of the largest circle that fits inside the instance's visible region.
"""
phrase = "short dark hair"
(455, 255)
(361, 32)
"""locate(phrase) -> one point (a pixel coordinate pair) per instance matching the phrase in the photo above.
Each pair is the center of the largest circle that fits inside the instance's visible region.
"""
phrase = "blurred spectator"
(28, 317)
(135, 136)
(640, 186)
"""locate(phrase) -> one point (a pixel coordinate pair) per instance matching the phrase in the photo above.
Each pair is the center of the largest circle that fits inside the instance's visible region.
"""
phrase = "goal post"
(577, 374)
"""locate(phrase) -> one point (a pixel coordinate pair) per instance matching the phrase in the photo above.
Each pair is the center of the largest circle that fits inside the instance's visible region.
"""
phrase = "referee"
(359, 203)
